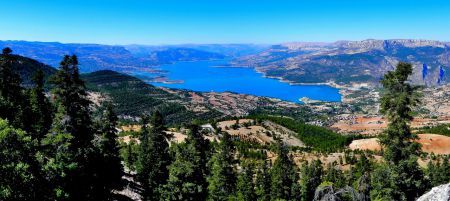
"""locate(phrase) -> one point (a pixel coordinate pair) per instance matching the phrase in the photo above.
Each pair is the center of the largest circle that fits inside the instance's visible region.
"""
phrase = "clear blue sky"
(222, 21)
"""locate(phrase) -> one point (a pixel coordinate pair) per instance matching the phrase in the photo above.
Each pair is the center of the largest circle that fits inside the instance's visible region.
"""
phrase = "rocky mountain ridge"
(368, 44)
(351, 61)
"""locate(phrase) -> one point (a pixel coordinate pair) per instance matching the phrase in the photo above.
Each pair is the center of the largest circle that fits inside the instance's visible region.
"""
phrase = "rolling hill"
(27, 67)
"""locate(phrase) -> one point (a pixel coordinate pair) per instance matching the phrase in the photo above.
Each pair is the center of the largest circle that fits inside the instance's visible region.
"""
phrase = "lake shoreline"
(218, 76)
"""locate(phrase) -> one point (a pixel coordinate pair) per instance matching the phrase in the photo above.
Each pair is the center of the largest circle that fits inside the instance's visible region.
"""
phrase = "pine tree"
(108, 163)
(245, 185)
(362, 166)
(143, 164)
(310, 179)
(284, 175)
(335, 175)
(13, 102)
(222, 182)
(42, 111)
(9, 80)
(400, 151)
(202, 145)
(262, 183)
(383, 186)
(154, 158)
(186, 180)
(73, 104)
(130, 155)
(71, 152)
(439, 172)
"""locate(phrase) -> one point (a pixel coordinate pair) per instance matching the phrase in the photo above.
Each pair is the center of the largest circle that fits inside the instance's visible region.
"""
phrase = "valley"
(320, 133)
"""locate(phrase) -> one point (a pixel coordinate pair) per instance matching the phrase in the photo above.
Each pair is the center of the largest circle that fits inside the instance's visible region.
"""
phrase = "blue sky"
(222, 21)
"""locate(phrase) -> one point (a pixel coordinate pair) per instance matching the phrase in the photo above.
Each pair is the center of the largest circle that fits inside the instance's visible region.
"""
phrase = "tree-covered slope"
(26, 67)
(133, 97)
(319, 138)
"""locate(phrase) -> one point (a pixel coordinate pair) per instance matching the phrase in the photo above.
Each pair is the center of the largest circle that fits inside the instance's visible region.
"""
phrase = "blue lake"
(207, 76)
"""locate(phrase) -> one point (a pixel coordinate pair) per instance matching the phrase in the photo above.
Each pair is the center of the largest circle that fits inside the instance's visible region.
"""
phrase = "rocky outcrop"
(439, 193)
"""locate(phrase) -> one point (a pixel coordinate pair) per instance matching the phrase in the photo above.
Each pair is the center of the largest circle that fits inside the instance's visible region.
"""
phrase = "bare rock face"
(439, 193)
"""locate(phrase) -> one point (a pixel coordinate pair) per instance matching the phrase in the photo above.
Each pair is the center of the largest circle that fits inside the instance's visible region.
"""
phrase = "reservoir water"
(208, 76)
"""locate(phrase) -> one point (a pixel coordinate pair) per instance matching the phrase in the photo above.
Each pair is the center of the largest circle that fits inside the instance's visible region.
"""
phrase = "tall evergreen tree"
(187, 174)
(154, 158)
(284, 175)
(72, 152)
(186, 180)
(335, 175)
(9, 80)
(222, 182)
(108, 166)
(42, 112)
(12, 100)
(245, 185)
(383, 186)
(73, 104)
(143, 165)
(202, 145)
(400, 151)
(129, 155)
(310, 179)
(263, 181)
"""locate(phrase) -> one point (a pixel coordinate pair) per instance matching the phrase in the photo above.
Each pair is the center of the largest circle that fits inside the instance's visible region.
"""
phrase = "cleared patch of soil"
(431, 143)
(373, 125)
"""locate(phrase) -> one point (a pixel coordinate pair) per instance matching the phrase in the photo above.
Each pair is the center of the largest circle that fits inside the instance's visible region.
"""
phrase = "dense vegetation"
(319, 138)
(442, 129)
(26, 68)
(54, 150)
(59, 149)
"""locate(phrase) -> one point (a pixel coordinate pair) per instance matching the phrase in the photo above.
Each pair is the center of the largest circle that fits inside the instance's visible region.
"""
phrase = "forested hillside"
(133, 97)
(26, 67)
(319, 138)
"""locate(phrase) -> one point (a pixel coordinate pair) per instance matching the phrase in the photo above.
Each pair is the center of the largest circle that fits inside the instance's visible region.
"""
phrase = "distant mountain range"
(95, 57)
(298, 62)
(352, 61)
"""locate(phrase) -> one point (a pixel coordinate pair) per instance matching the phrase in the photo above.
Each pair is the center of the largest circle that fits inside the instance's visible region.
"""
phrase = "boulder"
(439, 193)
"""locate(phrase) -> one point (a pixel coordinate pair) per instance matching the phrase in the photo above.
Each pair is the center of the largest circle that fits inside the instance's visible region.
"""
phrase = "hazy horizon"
(231, 43)
(120, 22)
